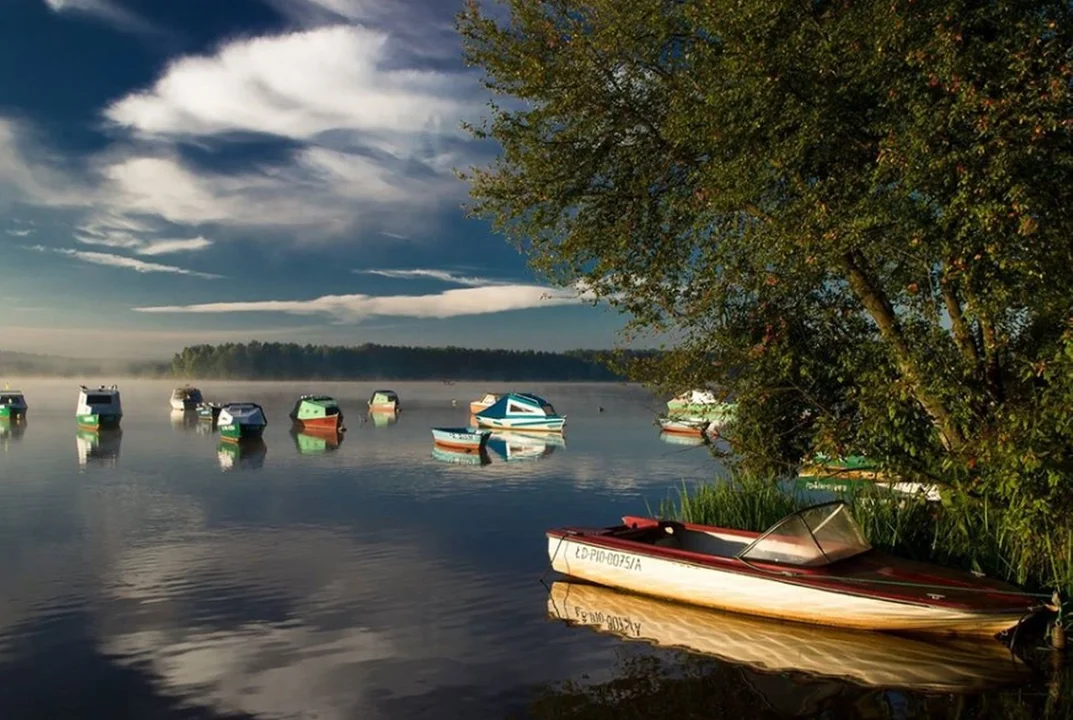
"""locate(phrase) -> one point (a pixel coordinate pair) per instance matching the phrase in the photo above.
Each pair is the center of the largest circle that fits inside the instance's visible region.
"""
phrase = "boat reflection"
(242, 455)
(383, 418)
(316, 441)
(770, 646)
(100, 447)
(184, 419)
(12, 429)
(460, 456)
(674, 438)
(516, 445)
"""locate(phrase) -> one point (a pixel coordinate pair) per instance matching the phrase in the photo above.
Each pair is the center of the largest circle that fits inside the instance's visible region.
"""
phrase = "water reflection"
(517, 445)
(247, 454)
(870, 659)
(11, 429)
(383, 418)
(460, 456)
(100, 447)
(316, 441)
(184, 419)
(673, 438)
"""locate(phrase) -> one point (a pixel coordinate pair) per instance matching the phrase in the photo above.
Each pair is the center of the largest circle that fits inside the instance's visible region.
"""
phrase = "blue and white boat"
(521, 411)
(463, 438)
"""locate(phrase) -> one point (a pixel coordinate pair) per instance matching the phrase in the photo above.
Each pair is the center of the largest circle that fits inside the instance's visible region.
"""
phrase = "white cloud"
(119, 261)
(110, 12)
(442, 275)
(20, 233)
(353, 308)
(164, 247)
(298, 85)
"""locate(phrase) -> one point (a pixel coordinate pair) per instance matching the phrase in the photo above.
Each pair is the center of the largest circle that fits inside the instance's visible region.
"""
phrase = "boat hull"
(183, 404)
(684, 427)
(235, 432)
(383, 407)
(12, 413)
(725, 589)
(102, 421)
(460, 439)
(327, 423)
(537, 425)
(208, 414)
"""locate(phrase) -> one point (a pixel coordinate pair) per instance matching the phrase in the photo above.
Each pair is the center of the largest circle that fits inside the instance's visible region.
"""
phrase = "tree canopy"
(858, 216)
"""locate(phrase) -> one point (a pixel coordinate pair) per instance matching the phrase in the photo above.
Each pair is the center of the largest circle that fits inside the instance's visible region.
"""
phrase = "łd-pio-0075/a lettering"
(607, 557)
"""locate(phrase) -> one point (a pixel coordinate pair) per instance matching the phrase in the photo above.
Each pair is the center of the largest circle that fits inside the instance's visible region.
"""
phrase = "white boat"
(686, 426)
(99, 409)
(186, 398)
(864, 658)
(466, 438)
(812, 566)
(521, 411)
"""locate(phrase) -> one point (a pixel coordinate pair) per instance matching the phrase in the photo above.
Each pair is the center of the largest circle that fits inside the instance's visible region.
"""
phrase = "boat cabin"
(521, 405)
(384, 399)
(813, 537)
(102, 401)
(189, 396)
(12, 399)
(309, 407)
(693, 397)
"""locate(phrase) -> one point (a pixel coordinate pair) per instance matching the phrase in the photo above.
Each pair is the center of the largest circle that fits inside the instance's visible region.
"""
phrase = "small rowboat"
(869, 659)
(460, 438)
(813, 566)
(684, 426)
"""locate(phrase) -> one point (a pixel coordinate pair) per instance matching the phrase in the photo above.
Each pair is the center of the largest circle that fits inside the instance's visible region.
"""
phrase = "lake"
(162, 575)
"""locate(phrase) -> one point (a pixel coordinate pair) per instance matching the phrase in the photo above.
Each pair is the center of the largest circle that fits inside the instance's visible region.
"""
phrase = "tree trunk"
(875, 301)
(958, 325)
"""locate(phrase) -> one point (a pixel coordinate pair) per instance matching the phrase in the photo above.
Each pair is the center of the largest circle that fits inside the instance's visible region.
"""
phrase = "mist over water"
(158, 574)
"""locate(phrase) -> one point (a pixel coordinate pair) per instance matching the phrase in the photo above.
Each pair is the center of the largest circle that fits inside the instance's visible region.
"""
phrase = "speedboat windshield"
(813, 537)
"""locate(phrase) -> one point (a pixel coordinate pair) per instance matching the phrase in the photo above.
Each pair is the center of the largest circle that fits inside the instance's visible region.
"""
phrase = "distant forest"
(289, 361)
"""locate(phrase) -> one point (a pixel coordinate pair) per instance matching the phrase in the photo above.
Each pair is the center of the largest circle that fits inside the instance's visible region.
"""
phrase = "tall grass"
(960, 532)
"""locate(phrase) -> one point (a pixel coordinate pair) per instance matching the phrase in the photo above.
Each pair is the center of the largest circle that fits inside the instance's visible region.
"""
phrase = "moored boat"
(813, 566)
(13, 405)
(319, 412)
(384, 401)
(702, 404)
(866, 658)
(99, 409)
(185, 398)
(241, 421)
(853, 472)
(685, 426)
(521, 411)
(484, 403)
(464, 438)
(208, 411)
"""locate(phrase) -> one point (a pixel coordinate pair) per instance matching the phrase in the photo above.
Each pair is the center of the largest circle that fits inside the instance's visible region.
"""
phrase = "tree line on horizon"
(291, 361)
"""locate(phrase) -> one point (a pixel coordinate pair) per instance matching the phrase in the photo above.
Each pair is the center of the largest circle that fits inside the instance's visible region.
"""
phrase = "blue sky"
(204, 171)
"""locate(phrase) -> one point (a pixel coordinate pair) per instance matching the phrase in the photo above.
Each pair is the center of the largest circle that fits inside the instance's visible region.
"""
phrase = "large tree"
(856, 215)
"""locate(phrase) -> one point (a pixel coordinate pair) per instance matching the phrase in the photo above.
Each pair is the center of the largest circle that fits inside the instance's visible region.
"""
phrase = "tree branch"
(958, 326)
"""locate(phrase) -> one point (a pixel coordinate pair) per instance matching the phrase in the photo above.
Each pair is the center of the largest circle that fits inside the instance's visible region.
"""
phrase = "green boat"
(12, 405)
(317, 412)
(208, 411)
(99, 409)
(241, 421)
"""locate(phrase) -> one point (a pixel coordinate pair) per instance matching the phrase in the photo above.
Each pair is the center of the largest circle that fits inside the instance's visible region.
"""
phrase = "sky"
(174, 173)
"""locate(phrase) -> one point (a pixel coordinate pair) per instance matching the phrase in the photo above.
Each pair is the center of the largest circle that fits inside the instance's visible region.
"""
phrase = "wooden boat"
(484, 403)
(316, 441)
(812, 566)
(476, 456)
(384, 401)
(518, 446)
(685, 426)
(13, 405)
(185, 398)
(865, 658)
(845, 486)
(466, 438)
(317, 412)
(241, 421)
(518, 411)
(99, 409)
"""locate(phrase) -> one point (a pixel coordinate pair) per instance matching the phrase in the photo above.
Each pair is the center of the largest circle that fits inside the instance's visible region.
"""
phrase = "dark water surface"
(160, 575)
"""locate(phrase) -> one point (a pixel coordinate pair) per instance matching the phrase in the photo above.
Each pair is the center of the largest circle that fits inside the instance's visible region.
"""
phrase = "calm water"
(158, 576)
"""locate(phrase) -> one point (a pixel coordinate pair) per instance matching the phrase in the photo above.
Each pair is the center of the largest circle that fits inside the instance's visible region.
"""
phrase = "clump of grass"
(961, 532)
